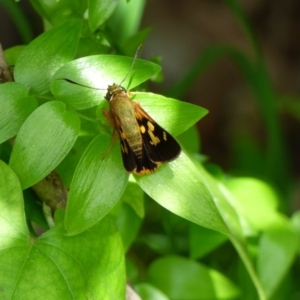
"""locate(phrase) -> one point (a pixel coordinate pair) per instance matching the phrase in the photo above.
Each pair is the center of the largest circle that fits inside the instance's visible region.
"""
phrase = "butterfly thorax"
(122, 109)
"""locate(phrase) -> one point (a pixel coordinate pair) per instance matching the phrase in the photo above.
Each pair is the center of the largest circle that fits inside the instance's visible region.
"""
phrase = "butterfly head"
(114, 90)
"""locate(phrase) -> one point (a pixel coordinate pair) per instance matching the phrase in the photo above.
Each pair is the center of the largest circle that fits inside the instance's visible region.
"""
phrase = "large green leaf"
(43, 141)
(16, 106)
(97, 72)
(180, 187)
(97, 185)
(44, 55)
(55, 266)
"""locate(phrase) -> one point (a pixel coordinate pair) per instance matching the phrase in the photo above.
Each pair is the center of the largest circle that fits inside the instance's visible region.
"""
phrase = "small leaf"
(100, 11)
(43, 141)
(182, 278)
(134, 196)
(96, 73)
(224, 287)
(67, 167)
(128, 224)
(13, 227)
(126, 20)
(277, 250)
(57, 12)
(16, 106)
(44, 55)
(149, 292)
(203, 241)
(97, 185)
(296, 224)
(12, 54)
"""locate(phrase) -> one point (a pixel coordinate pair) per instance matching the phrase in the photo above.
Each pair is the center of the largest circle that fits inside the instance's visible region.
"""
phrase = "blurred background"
(236, 133)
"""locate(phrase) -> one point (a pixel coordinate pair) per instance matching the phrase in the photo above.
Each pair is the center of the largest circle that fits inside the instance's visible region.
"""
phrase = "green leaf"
(43, 141)
(149, 292)
(159, 243)
(236, 222)
(131, 45)
(12, 54)
(203, 241)
(44, 55)
(277, 250)
(57, 12)
(100, 11)
(190, 140)
(68, 166)
(296, 224)
(181, 278)
(16, 106)
(224, 288)
(126, 20)
(260, 206)
(96, 72)
(97, 185)
(12, 220)
(173, 115)
(179, 187)
(128, 224)
(85, 266)
(134, 196)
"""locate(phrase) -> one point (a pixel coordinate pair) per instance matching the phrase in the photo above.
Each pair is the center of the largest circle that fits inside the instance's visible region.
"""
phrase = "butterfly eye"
(108, 96)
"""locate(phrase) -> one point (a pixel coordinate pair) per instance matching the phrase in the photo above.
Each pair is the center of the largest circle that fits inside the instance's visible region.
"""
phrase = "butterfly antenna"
(134, 59)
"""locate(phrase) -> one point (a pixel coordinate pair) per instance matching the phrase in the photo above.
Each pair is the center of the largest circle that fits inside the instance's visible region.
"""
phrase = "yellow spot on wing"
(143, 129)
(154, 139)
(150, 126)
(164, 135)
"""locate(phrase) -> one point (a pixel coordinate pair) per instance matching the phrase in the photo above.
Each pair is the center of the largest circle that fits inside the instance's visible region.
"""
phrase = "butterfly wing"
(131, 161)
(158, 144)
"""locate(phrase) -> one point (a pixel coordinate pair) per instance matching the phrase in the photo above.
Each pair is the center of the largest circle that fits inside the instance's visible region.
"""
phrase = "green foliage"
(201, 238)
(30, 267)
(42, 141)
